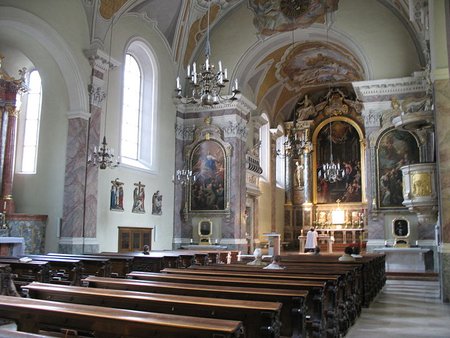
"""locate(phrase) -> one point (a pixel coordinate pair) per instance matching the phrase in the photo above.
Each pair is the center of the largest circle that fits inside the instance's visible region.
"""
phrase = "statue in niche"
(306, 109)
(298, 175)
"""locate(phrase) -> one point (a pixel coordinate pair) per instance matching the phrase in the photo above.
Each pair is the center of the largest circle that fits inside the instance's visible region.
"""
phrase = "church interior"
(168, 128)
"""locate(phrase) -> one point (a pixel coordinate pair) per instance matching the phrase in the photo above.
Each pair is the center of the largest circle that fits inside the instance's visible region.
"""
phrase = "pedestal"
(274, 243)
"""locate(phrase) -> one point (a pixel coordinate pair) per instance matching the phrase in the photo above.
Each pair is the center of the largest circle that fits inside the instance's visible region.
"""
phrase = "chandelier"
(103, 156)
(207, 81)
(184, 177)
(331, 172)
(295, 143)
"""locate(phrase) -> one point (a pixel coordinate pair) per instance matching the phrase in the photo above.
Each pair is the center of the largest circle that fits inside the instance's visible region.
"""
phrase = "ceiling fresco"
(272, 17)
(282, 75)
(315, 63)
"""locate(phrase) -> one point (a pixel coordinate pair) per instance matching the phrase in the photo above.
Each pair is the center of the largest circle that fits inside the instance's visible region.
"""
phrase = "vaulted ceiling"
(282, 76)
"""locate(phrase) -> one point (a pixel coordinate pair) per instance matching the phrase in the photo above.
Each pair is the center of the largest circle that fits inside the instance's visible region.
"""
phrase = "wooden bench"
(119, 264)
(339, 306)
(316, 301)
(27, 272)
(32, 315)
(293, 301)
(343, 284)
(62, 270)
(92, 266)
(260, 319)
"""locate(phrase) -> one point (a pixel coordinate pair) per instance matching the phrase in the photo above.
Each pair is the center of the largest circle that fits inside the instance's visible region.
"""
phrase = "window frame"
(23, 104)
(145, 58)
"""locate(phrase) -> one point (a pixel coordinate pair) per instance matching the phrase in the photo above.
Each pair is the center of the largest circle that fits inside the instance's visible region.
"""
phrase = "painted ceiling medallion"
(294, 8)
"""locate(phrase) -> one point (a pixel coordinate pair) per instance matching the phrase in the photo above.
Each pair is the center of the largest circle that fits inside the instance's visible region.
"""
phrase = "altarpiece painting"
(395, 149)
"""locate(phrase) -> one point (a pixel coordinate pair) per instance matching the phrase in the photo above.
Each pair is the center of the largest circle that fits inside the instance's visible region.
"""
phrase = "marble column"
(8, 162)
(288, 180)
(79, 223)
(442, 123)
(307, 175)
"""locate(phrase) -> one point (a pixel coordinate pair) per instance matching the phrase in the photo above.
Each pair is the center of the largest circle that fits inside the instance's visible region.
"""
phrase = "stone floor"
(404, 309)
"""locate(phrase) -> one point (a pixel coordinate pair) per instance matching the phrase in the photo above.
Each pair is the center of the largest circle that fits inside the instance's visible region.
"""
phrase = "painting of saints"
(396, 148)
(208, 167)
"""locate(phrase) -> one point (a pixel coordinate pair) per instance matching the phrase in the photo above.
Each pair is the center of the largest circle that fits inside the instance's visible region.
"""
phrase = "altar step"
(424, 276)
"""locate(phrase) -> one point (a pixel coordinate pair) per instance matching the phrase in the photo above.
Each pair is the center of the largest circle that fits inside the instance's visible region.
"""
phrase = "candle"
(178, 83)
(236, 84)
(220, 66)
(194, 68)
(226, 72)
(207, 63)
(188, 70)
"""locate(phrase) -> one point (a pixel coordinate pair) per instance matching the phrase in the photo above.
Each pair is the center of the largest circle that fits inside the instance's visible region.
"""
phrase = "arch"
(31, 25)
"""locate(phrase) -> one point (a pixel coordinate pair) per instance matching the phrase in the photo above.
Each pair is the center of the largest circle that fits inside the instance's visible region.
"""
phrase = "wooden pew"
(316, 301)
(32, 315)
(260, 319)
(61, 269)
(338, 305)
(95, 266)
(120, 264)
(27, 272)
(372, 270)
(292, 312)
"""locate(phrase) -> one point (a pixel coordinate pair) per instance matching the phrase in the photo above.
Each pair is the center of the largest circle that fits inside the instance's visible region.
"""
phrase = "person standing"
(311, 240)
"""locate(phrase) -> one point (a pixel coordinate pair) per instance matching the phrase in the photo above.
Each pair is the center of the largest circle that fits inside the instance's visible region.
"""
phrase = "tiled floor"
(404, 309)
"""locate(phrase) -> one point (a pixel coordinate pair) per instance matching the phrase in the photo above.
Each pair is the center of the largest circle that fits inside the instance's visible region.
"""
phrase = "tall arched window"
(28, 127)
(281, 162)
(264, 150)
(138, 114)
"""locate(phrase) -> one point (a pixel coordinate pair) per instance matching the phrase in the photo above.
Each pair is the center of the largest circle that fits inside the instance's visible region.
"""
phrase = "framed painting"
(395, 148)
(208, 163)
(338, 162)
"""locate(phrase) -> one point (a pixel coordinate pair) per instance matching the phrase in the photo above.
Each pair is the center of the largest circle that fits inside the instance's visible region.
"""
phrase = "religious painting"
(338, 163)
(139, 198)
(208, 163)
(395, 149)
(116, 195)
(157, 203)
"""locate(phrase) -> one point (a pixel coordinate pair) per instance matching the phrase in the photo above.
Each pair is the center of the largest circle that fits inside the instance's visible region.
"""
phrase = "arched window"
(264, 150)
(281, 162)
(28, 126)
(137, 147)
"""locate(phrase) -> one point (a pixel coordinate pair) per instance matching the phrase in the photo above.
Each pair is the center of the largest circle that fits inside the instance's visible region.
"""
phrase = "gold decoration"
(421, 184)
(110, 7)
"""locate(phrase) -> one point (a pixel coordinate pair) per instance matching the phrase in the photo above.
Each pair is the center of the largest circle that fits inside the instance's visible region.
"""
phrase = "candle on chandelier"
(188, 70)
(236, 84)
(178, 83)
(220, 66)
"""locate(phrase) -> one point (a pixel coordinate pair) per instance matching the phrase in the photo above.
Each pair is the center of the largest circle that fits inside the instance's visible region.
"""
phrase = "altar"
(12, 246)
(407, 259)
(320, 238)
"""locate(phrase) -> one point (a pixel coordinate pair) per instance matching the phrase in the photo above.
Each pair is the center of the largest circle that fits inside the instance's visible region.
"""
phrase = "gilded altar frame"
(209, 158)
(362, 151)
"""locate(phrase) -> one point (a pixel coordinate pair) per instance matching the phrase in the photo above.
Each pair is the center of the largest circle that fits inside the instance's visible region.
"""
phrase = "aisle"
(404, 308)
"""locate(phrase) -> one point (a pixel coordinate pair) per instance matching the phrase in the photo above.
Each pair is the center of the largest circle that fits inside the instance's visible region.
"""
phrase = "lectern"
(274, 243)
